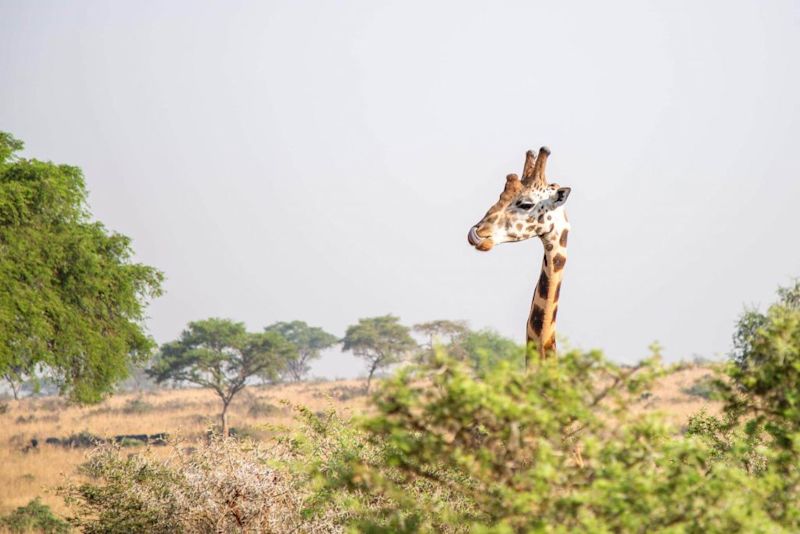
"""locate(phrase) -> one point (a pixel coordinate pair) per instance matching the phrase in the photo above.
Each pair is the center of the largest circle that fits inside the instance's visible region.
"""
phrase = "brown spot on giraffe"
(543, 285)
(541, 219)
(519, 226)
(558, 291)
(537, 320)
(563, 240)
(558, 262)
(548, 247)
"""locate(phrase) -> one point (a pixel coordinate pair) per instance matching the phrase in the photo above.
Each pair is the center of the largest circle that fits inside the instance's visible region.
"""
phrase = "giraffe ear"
(561, 196)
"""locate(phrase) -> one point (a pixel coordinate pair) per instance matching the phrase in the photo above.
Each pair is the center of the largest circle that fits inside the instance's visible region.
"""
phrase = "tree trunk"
(369, 378)
(15, 388)
(224, 417)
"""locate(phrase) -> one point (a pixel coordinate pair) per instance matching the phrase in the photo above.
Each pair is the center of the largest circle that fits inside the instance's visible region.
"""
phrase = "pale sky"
(324, 161)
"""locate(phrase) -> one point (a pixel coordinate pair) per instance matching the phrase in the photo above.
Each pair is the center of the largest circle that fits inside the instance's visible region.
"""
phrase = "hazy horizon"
(324, 161)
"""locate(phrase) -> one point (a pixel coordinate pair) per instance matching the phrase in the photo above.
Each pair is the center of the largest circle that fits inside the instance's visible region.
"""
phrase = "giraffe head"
(527, 208)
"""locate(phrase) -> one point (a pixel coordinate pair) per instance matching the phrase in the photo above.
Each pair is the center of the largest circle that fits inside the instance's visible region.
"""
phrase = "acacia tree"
(484, 349)
(72, 301)
(309, 340)
(381, 341)
(221, 355)
(438, 332)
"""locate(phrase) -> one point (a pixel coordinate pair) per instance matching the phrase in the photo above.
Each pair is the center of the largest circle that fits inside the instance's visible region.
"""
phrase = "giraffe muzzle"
(473, 237)
(477, 241)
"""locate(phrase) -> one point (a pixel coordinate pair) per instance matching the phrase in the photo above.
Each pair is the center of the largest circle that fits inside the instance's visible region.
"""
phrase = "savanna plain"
(189, 414)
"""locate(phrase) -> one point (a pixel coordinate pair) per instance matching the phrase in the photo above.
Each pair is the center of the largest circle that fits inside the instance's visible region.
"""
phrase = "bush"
(34, 517)
(226, 486)
(559, 449)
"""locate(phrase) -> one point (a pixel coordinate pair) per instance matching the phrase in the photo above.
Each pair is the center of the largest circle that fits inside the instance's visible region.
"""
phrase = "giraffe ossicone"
(528, 208)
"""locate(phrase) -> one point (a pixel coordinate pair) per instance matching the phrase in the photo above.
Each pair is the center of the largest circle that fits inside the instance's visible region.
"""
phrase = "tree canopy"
(484, 349)
(221, 355)
(764, 374)
(381, 341)
(309, 340)
(72, 300)
(441, 330)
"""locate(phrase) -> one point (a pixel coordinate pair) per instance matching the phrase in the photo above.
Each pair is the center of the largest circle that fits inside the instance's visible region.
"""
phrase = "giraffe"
(527, 208)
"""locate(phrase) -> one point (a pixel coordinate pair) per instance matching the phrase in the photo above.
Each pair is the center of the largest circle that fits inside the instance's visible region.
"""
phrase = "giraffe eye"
(524, 205)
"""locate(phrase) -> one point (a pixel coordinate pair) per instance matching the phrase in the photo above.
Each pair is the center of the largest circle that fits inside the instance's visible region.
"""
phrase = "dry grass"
(189, 414)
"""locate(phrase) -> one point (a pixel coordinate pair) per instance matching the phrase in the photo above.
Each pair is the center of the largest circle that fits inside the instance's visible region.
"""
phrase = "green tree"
(380, 341)
(441, 331)
(764, 375)
(72, 301)
(486, 348)
(438, 332)
(221, 355)
(309, 340)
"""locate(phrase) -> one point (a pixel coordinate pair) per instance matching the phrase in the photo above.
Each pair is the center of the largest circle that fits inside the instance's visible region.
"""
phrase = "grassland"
(188, 414)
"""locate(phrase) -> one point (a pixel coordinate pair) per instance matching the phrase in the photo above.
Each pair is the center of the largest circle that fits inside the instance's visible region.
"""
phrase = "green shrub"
(559, 449)
(765, 372)
(34, 517)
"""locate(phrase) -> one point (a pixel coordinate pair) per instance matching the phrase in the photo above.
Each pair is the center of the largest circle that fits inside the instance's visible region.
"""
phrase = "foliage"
(72, 301)
(761, 426)
(381, 341)
(560, 449)
(441, 331)
(309, 340)
(764, 376)
(486, 348)
(34, 517)
(226, 486)
(221, 355)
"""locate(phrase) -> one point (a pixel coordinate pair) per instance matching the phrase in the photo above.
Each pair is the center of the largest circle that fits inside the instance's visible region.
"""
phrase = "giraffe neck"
(541, 328)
